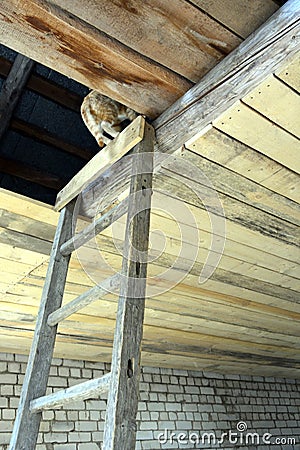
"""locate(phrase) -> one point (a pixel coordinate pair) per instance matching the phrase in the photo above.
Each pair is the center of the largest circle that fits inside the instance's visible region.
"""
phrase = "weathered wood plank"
(26, 426)
(277, 102)
(104, 159)
(290, 74)
(241, 17)
(120, 428)
(12, 90)
(227, 183)
(82, 391)
(239, 158)
(67, 44)
(191, 42)
(246, 125)
(95, 228)
(96, 293)
(257, 57)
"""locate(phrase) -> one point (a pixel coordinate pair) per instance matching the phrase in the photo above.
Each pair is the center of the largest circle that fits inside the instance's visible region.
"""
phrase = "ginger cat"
(103, 116)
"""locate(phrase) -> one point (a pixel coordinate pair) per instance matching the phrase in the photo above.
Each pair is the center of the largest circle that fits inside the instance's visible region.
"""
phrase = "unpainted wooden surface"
(238, 321)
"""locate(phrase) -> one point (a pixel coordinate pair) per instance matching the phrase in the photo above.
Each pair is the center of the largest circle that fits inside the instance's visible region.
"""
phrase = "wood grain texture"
(245, 125)
(67, 44)
(190, 44)
(241, 17)
(101, 162)
(256, 58)
(277, 102)
(122, 404)
(88, 389)
(243, 160)
(12, 89)
(26, 426)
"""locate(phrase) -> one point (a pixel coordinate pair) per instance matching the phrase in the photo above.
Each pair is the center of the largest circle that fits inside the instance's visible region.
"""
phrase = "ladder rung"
(81, 391)
(111, 284)
(94, 228)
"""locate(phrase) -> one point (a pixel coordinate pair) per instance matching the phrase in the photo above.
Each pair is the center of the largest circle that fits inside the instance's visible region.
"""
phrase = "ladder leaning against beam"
(123, 380)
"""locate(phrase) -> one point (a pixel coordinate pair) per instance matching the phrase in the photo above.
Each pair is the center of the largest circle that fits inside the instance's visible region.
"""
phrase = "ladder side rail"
(120, 424)
(26, 426)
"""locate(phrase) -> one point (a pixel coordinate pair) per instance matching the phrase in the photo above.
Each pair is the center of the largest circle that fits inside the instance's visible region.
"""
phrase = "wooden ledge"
(114, 151)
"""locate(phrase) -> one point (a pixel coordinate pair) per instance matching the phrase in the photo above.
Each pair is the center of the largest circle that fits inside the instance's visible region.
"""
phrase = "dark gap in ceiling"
(40, 132)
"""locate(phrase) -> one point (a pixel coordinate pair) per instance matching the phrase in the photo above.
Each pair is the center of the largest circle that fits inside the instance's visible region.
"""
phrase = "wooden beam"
(26, 425)
(191, 42)
(46, 88)
(51, 35)
(260, 55)
(120, 426)
(12, 90)
(104, 159)
(44, 136)
(21, 170)
(257, 57)
(82, 391)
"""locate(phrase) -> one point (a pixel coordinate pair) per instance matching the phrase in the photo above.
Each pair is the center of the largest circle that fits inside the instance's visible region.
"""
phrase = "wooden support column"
(120, 427)
(26, 425)
(12, 89)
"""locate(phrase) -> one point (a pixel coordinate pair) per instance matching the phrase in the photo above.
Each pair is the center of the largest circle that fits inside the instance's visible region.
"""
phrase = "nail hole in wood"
(137, 268)
(130, 368)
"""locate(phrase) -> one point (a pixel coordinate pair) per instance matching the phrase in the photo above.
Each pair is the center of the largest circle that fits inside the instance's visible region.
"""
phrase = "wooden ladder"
(122, 383)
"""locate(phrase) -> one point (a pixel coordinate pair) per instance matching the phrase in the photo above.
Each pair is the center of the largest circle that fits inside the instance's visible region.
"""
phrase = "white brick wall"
(179, 406)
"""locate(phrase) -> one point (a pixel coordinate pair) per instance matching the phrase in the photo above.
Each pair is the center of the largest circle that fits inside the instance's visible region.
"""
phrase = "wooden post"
(12, 89)
(120, 426)
(26, 425)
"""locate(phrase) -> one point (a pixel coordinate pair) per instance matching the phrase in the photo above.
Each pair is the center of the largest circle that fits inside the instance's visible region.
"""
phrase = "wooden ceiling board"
(176, 35)
(240, 17)
(290, 74)
(277, 102)
(249, 127)
(241, 159)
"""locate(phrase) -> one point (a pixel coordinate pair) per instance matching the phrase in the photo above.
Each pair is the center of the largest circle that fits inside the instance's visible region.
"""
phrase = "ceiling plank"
(244, 69)
(12, 89)
(175, 34)
(248, 14)
(262, 54)
(67, 44)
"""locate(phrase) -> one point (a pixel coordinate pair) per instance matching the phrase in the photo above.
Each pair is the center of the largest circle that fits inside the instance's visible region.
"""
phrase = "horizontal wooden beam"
(82, 391)
(260, 55)
(46, 88)
(24, 171)
(112, 284)
(44, 136)
(53, 36)
(112, 152)
(94, 228)
(12, 89)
